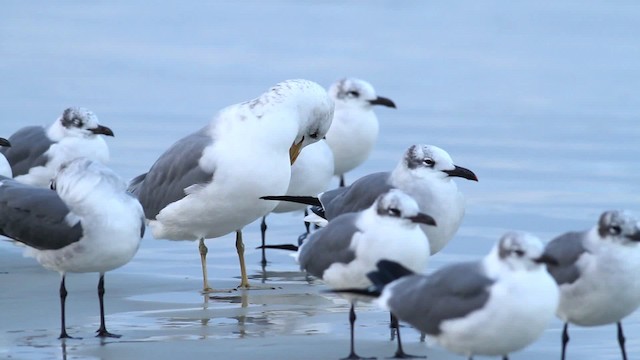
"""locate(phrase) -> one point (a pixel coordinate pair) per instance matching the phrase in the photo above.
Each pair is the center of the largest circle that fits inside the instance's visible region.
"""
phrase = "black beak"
(546, 259)
(634, 237)
(459, 171)
(102, 130)
(4, 142)
(383, 101)
(422, 218)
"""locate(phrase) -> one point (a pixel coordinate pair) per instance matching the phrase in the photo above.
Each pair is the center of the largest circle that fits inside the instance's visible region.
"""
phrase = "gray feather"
(356, 197)
(566, 249)
(329, 245)
(172, 173)
(28, 147)
(35, 216)
(450, 293)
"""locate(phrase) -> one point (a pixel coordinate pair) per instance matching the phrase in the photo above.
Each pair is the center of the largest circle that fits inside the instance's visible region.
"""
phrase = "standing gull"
(5, 168)
(355, 126)
(342, 253)
(425, 172)
(208, 184)
(597, 272)
(37, 152)
(90, 223)
(310, 174)
(491, 307)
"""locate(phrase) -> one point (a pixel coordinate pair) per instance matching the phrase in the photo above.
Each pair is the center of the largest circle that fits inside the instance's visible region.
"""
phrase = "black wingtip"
(388, 271)
(308, 200)
(289, 247)
(369, 292)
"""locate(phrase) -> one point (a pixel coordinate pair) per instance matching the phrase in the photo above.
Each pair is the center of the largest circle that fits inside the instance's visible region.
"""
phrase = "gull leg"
(352, 321)
(342, 180)
(102, 331)
(621, 341)
(263, 231)
(400, 354)
(203, 259)
(565, 340)
(304, 235)
(244, 282)
(63, 298)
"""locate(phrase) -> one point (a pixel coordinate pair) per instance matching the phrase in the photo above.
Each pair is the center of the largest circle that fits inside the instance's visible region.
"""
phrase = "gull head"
(395, 204)
(432, 161)
(78, 179)
(80, 122)
(619, 226)
(522, 251)
(357, 93)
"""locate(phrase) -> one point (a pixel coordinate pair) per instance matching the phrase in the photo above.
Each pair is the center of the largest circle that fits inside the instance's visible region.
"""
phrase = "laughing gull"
(208, 184)
(90, 223)
(5, 168)
(491, 307)
(425, 172)
(355, 126)
(597, 272)
(342, 253)
(37, 152)
(310, 174)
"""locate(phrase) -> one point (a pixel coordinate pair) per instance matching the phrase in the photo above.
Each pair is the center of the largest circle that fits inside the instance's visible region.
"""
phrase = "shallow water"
(538, 98)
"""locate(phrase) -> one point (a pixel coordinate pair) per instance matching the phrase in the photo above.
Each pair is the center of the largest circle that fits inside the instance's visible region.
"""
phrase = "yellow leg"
(244, 282)
(203, 258)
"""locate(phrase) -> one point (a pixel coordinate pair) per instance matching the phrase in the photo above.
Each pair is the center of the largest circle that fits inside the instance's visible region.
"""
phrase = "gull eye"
(519, 253)
(615, 230)
(353, 93)
(428, 162)
(314, 135)
(394, 212)
(77, 122)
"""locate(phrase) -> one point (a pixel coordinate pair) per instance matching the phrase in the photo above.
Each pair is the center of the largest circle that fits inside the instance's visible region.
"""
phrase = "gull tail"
(134, 184)
(289, 247)
(308, 200)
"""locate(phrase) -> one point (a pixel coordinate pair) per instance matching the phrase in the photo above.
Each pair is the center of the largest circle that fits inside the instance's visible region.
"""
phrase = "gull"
(208, 184)
(5, 168)
(491, 307)
(355, 126)
(342, 253)
(90, 223)
(310, 174)
(597, 273)
(425, 172)
(37, 152)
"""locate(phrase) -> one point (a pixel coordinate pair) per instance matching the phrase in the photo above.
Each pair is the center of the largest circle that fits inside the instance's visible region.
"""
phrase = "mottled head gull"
(37, 152)
(342, 253)
(208, 184)
(597, 272)
(425, 172)
(491, 307)
(90, 223)
(355, 126)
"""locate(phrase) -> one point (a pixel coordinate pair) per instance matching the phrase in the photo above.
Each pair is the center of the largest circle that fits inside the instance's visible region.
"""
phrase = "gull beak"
(103, 130)
(459, 171)
(546, 259)
(422, 218)
(383, 101)
(4, 142)
(294, 151)
(634, 237)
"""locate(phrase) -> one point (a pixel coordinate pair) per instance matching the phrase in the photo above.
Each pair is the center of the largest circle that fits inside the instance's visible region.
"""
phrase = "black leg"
(400, 354)
(306, 224)
(102, 331)
(352, 321)
(505, 357)
(263, 231)
(342, 180)
(63, 298)
(565, 340)
(621, 340)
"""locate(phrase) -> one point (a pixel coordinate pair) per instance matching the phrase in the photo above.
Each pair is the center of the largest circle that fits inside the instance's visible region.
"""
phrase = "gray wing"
(35, 216)
(356, 197)
(172, 173)
(450, 293)
(329, 245)
(28, 147)
(566, 249)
